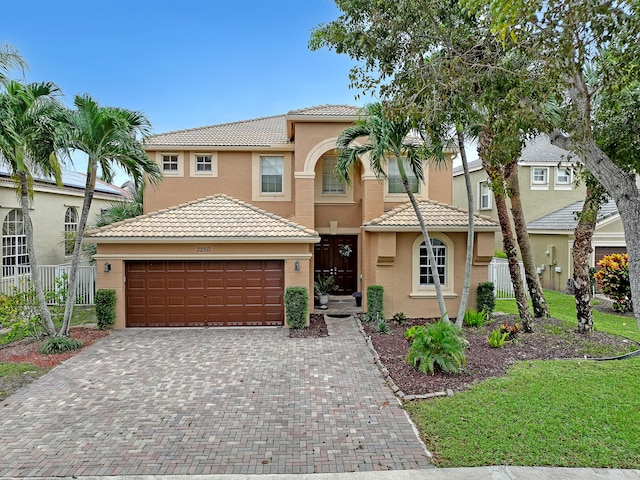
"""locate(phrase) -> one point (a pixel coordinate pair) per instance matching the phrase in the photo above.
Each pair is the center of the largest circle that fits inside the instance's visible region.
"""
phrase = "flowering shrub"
(613, 280)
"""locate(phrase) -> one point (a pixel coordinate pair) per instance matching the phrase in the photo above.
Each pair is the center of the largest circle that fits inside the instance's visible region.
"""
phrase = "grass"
(14, 375)
(556, 413)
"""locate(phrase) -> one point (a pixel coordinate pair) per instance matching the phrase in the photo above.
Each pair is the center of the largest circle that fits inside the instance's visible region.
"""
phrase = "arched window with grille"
(70, 229)
(422, 284)
(440, 254)
(15, 255)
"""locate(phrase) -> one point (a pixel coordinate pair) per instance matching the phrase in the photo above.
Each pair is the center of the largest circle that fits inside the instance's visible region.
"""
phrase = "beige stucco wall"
(559, 256)
(391, 264)
(47, 213)
(117, 253)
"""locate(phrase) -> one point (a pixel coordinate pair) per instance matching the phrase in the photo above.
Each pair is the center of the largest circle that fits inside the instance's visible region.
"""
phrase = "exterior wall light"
(107, 267)
(296, 266)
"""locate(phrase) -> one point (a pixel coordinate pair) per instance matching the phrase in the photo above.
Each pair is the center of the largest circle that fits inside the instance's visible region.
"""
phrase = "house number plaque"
(203, 249)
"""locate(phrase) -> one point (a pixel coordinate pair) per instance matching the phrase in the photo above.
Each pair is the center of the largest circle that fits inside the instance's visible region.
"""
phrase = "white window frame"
(482, 194)
(331, 186)
(179, 163)
(70, 226)
(537, 184)
(257, 173)
(422, 290)
(563, 185)
(275, 170)
(213, 164)
(14, 244)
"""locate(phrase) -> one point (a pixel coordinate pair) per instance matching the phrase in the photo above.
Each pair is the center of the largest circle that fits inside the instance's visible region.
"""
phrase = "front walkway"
(210, 401)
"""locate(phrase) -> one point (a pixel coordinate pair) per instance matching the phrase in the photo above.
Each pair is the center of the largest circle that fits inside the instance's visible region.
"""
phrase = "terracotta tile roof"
(436, 215)
(327, 110)
(565, 218)
(259, 132)
(214, 218)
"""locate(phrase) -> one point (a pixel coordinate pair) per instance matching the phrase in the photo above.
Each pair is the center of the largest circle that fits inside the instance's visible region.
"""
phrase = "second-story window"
(485, 196)
(170, 162)
(563, 176)
(271, 174)
(540, 176)
(203, 163)
(394, 181)
(330, 184)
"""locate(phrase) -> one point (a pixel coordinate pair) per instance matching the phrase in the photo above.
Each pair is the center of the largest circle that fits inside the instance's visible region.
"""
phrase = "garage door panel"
(204, 293)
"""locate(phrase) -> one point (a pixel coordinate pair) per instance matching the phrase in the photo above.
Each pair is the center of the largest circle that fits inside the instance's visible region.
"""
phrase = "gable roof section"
(259, 132)
(326, 111)
(538, 150)
(564, 219)
(436, 215)
(216, 218)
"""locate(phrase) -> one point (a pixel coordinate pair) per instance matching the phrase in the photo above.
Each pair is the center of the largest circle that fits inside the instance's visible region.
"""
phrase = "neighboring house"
(552, 241)
(55, 212)
(247, 209)
(546, 183)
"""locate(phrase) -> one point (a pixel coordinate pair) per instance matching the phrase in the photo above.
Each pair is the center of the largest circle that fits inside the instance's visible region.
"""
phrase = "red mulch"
(26, 351)
(317, 328)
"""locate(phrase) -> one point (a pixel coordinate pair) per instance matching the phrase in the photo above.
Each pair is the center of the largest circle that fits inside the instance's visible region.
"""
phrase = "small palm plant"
(438, 345)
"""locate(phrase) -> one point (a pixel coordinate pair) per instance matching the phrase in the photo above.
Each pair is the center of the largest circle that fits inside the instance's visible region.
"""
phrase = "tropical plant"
(55, 345)
(30, 116)
(382, 327)
(10, 58)
(325, 284)
(486, 298)
(613, 280)
(399, 317)
(439, 345)
(388, 141)
(497, 339)
(511, 330)
(473, 318)
(411, 332)
(110, 137)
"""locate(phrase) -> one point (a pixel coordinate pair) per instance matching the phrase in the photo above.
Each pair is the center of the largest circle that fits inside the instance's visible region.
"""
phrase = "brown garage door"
(603, 251)
(204, 293)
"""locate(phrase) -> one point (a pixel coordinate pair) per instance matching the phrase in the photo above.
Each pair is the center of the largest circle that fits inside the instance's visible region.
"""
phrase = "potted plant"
(358, 297)
(323, 285)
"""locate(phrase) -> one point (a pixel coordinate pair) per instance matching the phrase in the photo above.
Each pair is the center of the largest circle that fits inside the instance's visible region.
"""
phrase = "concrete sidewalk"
(477, 473)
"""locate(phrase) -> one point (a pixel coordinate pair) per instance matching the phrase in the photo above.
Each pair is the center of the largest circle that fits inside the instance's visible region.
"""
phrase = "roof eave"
(309, 239)
(218, 148)
(438, 228)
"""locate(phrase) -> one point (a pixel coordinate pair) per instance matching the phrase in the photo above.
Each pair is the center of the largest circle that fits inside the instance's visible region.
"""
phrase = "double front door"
(337, 255)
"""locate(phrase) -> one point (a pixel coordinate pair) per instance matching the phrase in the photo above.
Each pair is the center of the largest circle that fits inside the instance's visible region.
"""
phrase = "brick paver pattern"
(210, 401)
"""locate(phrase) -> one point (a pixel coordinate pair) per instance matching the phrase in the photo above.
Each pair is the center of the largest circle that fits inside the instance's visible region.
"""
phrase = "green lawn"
(560, 413)
(15, 375)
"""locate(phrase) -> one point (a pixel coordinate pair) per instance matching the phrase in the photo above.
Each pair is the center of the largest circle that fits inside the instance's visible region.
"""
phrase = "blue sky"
(184, 64)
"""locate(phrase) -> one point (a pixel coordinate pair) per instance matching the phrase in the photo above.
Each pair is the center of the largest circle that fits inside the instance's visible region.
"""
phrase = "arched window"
(440, 254)
(14, 244)
(70, 229)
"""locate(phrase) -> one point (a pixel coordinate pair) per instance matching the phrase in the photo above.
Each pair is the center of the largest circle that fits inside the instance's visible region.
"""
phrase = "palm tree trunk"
(470, 233)
(45, 314)
(540, 307)
(77, 248)
(427, 241)
(581, 253)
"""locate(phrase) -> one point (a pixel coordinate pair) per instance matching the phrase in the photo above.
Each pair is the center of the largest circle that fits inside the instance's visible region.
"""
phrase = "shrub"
(59, 345)
(399, 317)
(438, 345)
(486, 298)
(382, 327)
(296, 302)
(105, 302)
(473, 318)
(410, 333)
(19, 314)
(497, 338)
(510, 330)
(499, 254)
(613, 280)
(375, 307)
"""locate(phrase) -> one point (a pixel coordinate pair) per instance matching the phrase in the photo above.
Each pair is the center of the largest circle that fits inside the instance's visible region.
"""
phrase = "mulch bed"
(26, 351)
(317, 328)
(550, 340)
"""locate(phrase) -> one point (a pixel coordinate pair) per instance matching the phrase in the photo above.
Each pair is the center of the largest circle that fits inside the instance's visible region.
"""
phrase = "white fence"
(18, 278)
(501, 278)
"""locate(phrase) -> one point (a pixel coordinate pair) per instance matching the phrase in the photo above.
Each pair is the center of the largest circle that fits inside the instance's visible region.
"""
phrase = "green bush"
(411, 332)
(613, 280)
(499, 254)
(486, 298)
(105, 301)
(382, 327)
(59, 345)
(19, 314)
(375, 306)
(438, 345)
(296, 302)
(473, 318)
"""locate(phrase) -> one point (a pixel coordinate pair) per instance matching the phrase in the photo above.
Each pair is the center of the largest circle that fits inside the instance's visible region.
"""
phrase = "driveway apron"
(210, 401)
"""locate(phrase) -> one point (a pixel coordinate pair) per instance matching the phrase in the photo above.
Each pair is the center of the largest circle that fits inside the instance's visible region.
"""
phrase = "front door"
(337, 255)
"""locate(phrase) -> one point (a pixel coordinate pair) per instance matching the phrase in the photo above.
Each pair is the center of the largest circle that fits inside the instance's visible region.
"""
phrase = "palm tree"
(109, 137)
(388, 142)
(9, 58)
(29, 117)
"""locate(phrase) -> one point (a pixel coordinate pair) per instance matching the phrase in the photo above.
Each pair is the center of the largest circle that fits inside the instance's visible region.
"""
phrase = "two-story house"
(551, 197)
(247, 209)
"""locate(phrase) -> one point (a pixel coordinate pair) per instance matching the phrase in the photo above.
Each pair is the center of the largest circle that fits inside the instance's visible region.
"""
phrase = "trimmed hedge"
(486, 298)
(375, 305)
(296, 303)
(105, 308)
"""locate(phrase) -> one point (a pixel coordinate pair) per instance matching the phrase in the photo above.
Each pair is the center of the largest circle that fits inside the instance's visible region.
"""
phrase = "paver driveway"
(210, 401)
